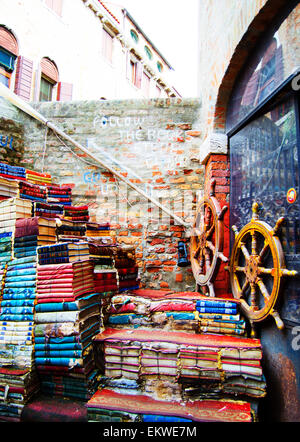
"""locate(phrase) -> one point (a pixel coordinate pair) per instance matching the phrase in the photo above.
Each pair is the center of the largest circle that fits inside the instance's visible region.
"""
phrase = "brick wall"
(158, 143)
(218, 169)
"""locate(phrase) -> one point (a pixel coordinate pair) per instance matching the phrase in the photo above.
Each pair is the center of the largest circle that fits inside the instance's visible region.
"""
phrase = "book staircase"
(57, 275)
(160, 363)
(75, 324)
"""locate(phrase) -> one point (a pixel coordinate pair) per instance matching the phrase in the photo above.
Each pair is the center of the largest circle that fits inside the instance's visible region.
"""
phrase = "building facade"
(80, 50)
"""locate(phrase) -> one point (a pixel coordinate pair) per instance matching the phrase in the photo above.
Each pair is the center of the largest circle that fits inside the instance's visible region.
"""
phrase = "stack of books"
(32, 192)
(38, 178)
(17, 372)
(125, 406)
(63, 253)
(38, 229)
(175, 312)
(17, 310)
(67, 316)
(115, 270)
(152, 309)
(105, 275)
(26, 244)
(106, 284)
(70, 230)
(97, 230)
(61, 195)
(12, 209)
(64, 282)
(127, 310)
(2, 272)
(16, 344)
(6, 248)
(48, 210)
(17, 302)
(106, 280)
(165, 365)
(128, 278)
(17, 388)
(220, 316)
(14, 172)
(78, 213)
(9, 188)
(128, 271)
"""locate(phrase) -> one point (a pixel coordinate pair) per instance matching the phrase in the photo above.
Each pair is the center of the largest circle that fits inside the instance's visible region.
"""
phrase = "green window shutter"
(7, 60)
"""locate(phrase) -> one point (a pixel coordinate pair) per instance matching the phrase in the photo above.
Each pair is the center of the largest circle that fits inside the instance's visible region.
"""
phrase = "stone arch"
(49, 69)
(247, 43)
(8, 40)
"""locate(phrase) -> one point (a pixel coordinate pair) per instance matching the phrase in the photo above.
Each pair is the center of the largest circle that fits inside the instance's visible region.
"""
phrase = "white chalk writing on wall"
(126, 132)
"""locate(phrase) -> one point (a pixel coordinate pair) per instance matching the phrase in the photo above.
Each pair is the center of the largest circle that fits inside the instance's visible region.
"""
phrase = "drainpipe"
(25, 107)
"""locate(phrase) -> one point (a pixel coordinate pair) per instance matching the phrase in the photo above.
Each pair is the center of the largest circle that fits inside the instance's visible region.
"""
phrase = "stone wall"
(11, 134)
(157, 142)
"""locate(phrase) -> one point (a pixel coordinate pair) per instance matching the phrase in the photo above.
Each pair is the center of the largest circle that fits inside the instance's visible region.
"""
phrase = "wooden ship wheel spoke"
(257, 267)
(207, 241)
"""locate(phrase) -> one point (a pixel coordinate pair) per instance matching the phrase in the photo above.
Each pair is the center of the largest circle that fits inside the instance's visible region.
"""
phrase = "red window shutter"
(24, 78)
(64, 91)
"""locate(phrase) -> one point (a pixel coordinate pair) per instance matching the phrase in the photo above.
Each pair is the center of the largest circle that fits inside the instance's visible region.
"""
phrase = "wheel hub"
(252, 269)
(202, 241)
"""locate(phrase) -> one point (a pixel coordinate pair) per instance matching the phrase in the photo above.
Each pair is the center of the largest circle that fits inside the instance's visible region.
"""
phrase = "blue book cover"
(228, 311)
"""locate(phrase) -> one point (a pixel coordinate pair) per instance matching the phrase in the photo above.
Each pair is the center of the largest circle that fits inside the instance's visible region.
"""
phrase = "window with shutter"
(49, 78)
(8, 55)
(134, 70)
